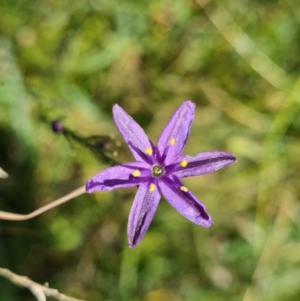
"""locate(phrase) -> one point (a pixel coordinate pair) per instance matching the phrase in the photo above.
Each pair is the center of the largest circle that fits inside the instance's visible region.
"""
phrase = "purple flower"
(157, 171)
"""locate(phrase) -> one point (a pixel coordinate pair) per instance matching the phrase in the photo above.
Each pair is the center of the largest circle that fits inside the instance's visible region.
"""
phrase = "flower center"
(157, 171)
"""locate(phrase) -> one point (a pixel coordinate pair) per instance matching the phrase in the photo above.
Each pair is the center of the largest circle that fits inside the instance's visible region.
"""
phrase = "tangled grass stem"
(41, 292)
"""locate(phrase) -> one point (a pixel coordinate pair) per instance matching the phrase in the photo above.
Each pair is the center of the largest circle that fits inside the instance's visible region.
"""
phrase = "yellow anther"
(172, 141)
(136, 173)
(183, 163)
(148, 151)
(183, 188)
(151, 187)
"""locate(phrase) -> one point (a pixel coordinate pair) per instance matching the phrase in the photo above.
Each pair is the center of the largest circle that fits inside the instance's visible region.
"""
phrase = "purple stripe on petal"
(174, 136)
(119, 176)
(202, 163)
(141, 214)
(132, 133)
(146, 158)
(184, 202)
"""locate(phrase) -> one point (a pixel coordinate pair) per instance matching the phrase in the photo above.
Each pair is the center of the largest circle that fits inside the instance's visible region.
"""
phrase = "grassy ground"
(71, 60)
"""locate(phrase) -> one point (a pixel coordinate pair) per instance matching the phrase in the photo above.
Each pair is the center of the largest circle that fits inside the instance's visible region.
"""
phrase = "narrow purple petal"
(174, 136)
(141, 214)
(119, 176)
(133, 134)
(184, 202)
(202, 163)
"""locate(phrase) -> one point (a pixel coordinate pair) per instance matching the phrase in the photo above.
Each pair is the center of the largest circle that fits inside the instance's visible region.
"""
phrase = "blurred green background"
(72, 60)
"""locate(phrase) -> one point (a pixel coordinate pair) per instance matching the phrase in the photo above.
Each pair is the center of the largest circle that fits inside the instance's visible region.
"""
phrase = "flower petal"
(141, 214)
(119, 176)
(133, 134)
(202, 163)
(174, 136)
(184, 202)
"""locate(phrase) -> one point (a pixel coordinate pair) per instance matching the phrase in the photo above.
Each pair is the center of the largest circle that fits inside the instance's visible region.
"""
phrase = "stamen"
(152, 187)
(183, 163)
(172, 141)
(183, 188)
(148, 151)
(136, 173)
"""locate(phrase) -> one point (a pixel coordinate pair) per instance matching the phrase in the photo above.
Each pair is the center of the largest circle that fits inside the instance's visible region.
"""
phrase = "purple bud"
(57, 126)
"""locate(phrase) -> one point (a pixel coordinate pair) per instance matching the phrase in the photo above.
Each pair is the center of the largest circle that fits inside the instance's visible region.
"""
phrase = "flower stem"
(21, 217)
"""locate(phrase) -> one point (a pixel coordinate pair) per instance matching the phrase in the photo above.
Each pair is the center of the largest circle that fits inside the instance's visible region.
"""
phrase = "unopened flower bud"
(57, 126)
